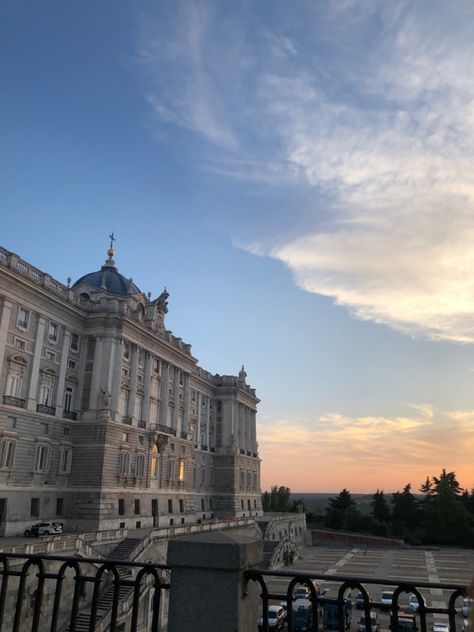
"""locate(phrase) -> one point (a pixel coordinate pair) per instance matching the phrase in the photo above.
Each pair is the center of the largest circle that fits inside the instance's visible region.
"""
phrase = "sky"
(298, 175)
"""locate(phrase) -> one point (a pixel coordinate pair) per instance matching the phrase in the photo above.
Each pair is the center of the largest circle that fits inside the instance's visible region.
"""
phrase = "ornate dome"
(109, 279)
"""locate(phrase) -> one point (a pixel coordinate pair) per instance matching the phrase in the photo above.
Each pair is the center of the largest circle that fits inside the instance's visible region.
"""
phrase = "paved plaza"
(445, 565)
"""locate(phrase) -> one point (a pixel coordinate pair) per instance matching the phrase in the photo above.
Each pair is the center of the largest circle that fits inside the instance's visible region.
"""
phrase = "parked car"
(284, 605)
(413, 603)
(466, 606)
(440, 626)
(465, 625)
(359, 602)
(331, 615)
(302, 592)
(386, 599)
(302, 615)
(374, 623)
(276, 618)
(44, 528)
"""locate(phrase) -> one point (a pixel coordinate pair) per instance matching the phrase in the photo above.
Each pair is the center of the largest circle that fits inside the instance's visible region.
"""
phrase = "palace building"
(106, 418)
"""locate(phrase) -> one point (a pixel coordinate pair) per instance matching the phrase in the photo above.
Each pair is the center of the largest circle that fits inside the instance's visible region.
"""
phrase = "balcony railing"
(47, 410)
(127, 420)
(338, 602)
(118, 588)
(13, 401)
(69, 414)
(184, 435)
(141, 423)
(165, 429)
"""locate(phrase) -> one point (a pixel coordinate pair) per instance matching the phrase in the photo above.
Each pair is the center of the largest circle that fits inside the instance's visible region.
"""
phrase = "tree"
(447, 520)
(380, 508)
(405, 512)
(277, 499)
(335, 516)
(449, 479)
(427, 490)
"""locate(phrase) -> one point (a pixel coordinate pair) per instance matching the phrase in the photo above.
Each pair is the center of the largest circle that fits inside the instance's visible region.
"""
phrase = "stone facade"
(106, 419)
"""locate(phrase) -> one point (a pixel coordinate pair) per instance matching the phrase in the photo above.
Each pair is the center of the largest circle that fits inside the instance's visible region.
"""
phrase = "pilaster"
(133, 381)
(4, 324)
(146, 388)
(62, 373)
(33, 389)
(96, 374)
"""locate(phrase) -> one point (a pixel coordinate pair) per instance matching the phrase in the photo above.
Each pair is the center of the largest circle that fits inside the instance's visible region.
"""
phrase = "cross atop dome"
(111, 251)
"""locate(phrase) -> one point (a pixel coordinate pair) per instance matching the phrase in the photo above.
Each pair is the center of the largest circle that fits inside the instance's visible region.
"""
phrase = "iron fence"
(319, 601)
(36, 591)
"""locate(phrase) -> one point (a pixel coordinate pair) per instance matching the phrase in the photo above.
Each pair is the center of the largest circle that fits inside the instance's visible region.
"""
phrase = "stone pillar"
(146, 388)
(85, 342)
(253, 431)
(116, 378)
(199, 421)
(133, 381)
(176, 403)
(62, 374)
(212, 564)
(185, 427)
(4, 325)
(208, 422)
(33, 389)
(96, 374)
(163, 416)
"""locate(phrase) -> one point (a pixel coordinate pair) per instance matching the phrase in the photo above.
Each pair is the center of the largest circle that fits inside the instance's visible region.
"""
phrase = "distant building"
(106, 419)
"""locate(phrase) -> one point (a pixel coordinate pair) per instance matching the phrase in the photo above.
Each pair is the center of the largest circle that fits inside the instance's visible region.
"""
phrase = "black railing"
(13, 401)
(68, 592)
(165, 429)
(141, 423)
(127, 420)
(319, 603)
(184, 435)
(69, 414)
(47, 410)
(242, 451)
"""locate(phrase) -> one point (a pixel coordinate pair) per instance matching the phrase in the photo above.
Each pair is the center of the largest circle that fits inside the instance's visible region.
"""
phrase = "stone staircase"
(120, 553)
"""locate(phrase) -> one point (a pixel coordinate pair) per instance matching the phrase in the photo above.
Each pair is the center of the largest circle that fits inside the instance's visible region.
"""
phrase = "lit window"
(53, 332)
(23, 318)
(181, 470)
(74, 342)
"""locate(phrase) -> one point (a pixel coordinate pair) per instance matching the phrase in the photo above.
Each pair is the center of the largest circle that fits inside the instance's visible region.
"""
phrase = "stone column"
(33, 389)
(208, 564)
(96, 374)
(133, 381)
(198, 404)
(146, 388)
(163, 416)
(62, 374)
(253, 430)
(116, 378)
(208, 422)
(186, 404)
(176, 403)
(4, 325)
(85, 342)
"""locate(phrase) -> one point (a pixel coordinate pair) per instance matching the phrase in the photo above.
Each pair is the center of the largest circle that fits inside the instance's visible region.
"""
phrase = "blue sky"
(298, 175)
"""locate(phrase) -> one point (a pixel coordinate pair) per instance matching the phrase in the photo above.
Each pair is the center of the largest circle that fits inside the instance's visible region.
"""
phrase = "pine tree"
(380, 508)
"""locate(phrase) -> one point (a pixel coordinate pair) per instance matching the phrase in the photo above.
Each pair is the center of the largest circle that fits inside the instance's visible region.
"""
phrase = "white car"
(386, 599)
(276, 618)
(302, 592)
(439, 626)
(44, 528)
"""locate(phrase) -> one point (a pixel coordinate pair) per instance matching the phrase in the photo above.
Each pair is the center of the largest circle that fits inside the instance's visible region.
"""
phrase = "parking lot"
(445, 565)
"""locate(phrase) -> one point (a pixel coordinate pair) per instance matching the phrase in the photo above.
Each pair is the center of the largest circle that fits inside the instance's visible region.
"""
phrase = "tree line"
(441, 514)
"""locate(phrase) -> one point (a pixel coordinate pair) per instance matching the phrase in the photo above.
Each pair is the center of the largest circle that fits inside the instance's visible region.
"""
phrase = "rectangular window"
(181, 470)
(139, 465)
(125, 372)
(50, 355)
(181, 379)
(13, 385)
(72, 364)
(53, 332)
(202, 504)
(45, 394)
(126, 352)
(19, 344)
(154, 506)
(140, 440)
(121, 506)
(44, 428)
(74, 342)
(170, 469)
(11, 422)
(7, 453)
(181, 505)
(23, 318)
(123, 463)
(59, 506)
(68, 398)
(210, 504)
(42, 458)
(137, 506)
(35, 507)
(65, 460)
(170, 505)
(156, 366)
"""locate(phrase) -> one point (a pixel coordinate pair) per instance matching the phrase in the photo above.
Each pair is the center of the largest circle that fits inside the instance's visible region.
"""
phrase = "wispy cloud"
(366, 103)
(377, 451)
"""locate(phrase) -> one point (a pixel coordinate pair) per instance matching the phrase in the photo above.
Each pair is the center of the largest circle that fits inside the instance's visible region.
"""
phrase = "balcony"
(69, 414)
(184, 435)
(242, 451)
(127, 420)
(164, 429)
(211, 449)
(47, 410)
(141, 423)
(13, 401)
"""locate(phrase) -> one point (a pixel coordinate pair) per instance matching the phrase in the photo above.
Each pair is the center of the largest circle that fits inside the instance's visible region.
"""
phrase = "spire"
(111, 252)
